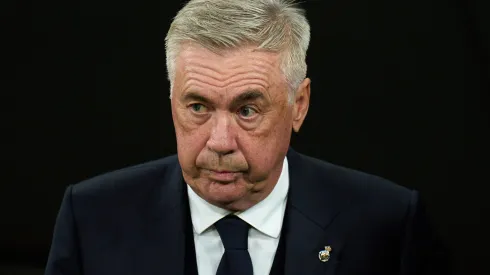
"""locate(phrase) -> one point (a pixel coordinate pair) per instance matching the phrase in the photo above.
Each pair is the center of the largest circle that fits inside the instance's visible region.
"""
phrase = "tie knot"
(233, 232)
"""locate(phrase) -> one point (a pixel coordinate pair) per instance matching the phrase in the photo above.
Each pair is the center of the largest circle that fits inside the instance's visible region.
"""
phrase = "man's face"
(233, 123)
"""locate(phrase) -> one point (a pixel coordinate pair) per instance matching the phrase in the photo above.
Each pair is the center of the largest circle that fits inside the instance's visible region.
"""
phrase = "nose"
(222, 139)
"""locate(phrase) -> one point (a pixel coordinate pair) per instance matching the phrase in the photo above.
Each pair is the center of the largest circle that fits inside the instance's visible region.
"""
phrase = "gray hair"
(273, 25)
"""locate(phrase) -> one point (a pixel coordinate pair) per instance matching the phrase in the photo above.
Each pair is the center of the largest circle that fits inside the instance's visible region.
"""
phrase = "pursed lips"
(222, 175)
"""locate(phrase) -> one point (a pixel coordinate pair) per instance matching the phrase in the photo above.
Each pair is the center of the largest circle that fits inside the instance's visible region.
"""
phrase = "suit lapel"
(313, 204)
(165, 241)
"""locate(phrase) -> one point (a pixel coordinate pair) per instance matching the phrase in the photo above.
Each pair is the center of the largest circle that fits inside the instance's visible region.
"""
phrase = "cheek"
(190, 141)
(273, 134)
(188, 148)
(262, 162)
(265, 149)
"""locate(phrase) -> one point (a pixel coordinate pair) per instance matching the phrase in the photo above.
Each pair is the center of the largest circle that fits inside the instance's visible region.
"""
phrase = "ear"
(301, 104)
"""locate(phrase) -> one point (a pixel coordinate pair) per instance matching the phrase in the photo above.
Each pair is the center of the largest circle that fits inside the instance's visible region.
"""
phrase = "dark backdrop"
(399, 89)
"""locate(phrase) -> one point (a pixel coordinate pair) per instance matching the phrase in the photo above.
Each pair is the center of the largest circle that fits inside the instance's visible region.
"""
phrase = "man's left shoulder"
(357, 179)
(364, 187)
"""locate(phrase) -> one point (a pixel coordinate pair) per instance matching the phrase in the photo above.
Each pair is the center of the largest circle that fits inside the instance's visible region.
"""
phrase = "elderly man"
(237, 200)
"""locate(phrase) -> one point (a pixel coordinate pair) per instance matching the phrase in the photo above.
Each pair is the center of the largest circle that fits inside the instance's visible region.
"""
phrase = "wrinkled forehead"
(224, 67)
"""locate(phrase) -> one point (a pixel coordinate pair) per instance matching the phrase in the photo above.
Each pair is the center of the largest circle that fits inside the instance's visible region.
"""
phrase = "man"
(237, 199)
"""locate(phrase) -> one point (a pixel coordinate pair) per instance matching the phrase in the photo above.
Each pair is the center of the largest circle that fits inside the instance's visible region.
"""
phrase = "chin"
(226, 195)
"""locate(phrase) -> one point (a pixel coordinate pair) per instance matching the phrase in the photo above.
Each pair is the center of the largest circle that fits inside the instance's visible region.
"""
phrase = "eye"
(198, 108)
(247, 112)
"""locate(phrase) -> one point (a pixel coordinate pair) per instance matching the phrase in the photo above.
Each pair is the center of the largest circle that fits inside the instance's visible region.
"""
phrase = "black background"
(399, 89)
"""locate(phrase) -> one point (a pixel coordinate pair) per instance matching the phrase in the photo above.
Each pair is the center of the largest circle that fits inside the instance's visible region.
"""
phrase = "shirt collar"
(266, 216)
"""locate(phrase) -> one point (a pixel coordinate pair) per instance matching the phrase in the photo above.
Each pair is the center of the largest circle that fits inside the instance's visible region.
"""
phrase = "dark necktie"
(234, 235)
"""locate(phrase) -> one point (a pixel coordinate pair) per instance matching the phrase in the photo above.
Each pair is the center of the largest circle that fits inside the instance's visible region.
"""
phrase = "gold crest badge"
(324, 255)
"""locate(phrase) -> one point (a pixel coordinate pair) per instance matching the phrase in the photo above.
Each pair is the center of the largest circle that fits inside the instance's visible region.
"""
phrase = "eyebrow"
(246, 96)
(194, 96)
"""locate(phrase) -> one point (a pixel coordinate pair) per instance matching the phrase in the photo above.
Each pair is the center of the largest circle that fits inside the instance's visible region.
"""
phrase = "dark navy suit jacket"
(132, 221)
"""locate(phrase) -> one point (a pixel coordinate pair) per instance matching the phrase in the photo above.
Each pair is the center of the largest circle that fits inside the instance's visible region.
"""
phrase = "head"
(238, 89)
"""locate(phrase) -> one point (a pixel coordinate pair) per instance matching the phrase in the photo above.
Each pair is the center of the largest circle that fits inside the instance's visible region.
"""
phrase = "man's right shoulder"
(114, 205)
(130, 180)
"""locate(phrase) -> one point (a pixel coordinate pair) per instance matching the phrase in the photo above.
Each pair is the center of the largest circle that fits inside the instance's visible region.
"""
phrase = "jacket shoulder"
(128, 180)
(362, 185)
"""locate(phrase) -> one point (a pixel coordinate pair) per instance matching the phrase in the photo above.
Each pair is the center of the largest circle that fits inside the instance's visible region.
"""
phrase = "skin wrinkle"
(218, 137)
(224, 79)
(224, 76)
(195, 79)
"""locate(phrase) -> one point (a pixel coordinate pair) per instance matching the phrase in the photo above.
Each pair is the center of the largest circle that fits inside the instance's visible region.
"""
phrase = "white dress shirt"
(265, 219)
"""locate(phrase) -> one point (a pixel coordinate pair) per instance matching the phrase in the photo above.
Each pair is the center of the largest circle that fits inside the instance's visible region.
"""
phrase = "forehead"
(190, 53)
(228, 69)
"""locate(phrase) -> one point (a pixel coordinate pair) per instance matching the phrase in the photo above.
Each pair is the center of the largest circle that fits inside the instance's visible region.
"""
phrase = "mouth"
(223, 176)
